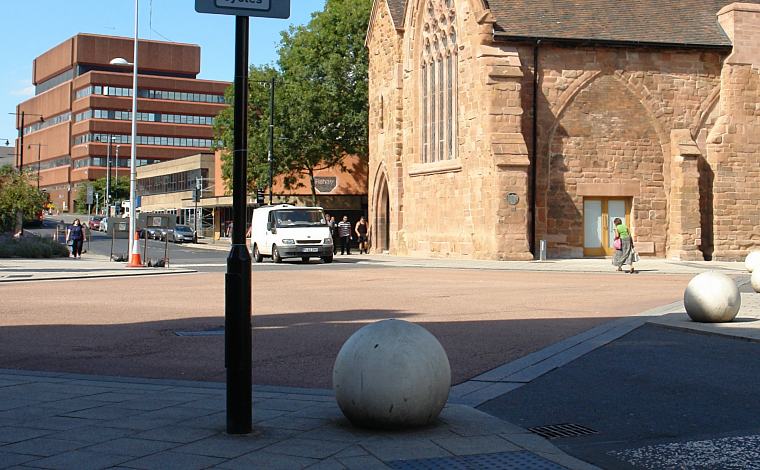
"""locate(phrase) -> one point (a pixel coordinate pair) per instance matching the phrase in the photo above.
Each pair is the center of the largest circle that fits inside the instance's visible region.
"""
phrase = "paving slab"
(323, 439)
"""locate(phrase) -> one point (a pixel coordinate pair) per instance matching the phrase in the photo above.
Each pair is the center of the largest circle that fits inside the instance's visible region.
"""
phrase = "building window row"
(145, 140)
(146, 117)
(151, 94)
(172, 183)
(55, 163)
(101, 162)
(52, 121)
(438, 82)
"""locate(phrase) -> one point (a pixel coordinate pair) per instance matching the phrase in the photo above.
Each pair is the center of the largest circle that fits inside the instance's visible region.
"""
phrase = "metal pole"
(38, 165)
(116, 171)
(237, 312)
(108, 175)
(133, 144)
(21, 146)
(270, 156)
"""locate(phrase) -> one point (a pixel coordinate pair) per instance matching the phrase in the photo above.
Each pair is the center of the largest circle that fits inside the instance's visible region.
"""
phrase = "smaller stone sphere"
(752, 260)
(391, 375)
(712, 297)
(755, 280)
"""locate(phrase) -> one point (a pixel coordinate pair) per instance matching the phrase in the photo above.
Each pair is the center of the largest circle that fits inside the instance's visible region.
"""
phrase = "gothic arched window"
(438, 79)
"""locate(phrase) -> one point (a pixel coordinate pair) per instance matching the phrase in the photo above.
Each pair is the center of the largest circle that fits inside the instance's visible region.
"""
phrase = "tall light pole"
(39, 146)
(21, 134)
(270, 153)
(133, 140)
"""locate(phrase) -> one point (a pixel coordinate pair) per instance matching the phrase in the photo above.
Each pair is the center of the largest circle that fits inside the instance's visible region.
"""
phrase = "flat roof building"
(83, 103)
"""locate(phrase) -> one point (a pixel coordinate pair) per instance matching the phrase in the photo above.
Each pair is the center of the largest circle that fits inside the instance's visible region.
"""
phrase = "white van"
(286, 231)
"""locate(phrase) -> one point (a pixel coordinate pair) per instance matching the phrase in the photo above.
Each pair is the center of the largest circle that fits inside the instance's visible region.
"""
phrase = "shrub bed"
(31, 247)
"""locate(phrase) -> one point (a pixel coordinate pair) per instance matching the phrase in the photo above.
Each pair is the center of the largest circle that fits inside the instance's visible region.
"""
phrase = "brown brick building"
(82, 101)
(495, 124)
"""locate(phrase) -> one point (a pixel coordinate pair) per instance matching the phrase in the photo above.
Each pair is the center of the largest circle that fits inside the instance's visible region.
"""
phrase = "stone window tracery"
(438, 81)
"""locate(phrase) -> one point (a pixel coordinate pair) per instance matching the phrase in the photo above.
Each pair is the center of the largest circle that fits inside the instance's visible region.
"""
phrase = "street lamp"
(108, 170)
(21, 134)
(133, 140)
(270, 154)
(39, 146)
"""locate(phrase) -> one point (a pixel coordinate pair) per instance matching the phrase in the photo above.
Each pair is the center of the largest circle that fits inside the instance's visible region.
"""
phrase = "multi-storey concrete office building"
(82, 102)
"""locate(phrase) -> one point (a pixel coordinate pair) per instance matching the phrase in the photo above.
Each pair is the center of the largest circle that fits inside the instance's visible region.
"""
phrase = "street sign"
(260, 8)
(90, 193)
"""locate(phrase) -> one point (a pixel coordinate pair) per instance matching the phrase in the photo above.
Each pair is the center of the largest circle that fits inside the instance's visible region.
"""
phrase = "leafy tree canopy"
(19, 198)
(119, 192)
(321, 103)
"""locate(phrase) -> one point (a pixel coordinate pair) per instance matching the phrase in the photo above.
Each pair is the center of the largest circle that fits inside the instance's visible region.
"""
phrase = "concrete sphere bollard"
(755, 280)
(712, 297)
(752, 260)
(391, 374)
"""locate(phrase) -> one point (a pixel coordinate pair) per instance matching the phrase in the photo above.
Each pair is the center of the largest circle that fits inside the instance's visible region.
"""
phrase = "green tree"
(119, 192)
(19, 198)
(321, 103)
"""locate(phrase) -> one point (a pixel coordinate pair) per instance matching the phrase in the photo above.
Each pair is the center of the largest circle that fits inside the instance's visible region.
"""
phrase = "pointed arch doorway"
(382, 209)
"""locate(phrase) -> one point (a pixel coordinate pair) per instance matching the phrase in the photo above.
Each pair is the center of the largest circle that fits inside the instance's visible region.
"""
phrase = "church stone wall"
(733, 145)
(605, 117)
(674, 130)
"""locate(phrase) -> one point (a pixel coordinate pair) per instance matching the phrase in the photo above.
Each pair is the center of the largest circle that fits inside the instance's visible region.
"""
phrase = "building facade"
(497, 124)
(82, 105)
(167, 187)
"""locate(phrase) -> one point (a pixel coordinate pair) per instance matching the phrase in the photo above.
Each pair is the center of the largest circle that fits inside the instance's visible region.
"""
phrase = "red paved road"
(302, 317)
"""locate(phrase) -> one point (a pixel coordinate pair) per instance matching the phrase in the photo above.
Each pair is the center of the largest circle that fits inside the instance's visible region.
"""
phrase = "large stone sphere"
(391, 374)
(752, 260)
(755, 280)
(712, 297)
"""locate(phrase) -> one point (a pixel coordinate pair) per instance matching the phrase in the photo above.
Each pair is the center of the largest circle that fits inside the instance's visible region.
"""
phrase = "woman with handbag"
(624, 252)
(76, 235)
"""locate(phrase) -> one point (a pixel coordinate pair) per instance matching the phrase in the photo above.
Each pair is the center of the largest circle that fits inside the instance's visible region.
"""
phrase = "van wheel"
(276, 255)
(327, 259)
(304, 259)
(257, 257)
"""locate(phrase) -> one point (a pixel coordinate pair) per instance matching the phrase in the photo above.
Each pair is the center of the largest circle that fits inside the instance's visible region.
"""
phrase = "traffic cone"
(135, 260)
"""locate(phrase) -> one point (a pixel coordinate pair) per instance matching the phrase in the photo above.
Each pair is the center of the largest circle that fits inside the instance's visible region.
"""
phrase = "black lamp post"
(21, 135)
(38, 161)
(270, 154)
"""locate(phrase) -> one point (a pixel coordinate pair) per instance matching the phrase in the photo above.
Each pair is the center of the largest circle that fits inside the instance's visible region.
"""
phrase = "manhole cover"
(522, 460)
(219, 331)
(556, 431)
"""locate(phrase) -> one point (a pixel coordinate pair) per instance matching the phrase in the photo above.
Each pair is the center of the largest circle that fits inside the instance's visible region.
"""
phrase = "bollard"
(145, 247)
(166, 252)
(542, 251)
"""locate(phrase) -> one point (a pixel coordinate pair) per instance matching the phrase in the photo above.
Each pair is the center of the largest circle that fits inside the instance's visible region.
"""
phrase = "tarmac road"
(127, 326)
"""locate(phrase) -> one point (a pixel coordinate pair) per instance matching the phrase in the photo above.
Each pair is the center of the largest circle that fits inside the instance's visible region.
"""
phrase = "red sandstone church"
(495, 124)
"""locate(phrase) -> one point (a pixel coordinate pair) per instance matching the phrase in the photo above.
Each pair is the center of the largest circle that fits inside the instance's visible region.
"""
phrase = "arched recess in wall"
(381, 210)
(700, 130)
(605, 140)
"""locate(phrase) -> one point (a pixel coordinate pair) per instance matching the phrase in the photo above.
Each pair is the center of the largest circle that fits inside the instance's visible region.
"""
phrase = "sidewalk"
(91, 266)
(64, 421)
(579, 265)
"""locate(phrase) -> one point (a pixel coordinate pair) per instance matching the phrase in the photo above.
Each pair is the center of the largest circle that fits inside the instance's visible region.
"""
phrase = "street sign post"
(237, 281)
(259, 8)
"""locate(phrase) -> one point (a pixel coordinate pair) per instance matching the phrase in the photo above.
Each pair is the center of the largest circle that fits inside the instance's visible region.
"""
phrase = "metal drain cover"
(556, 431)
(210, 332)
(522, 460)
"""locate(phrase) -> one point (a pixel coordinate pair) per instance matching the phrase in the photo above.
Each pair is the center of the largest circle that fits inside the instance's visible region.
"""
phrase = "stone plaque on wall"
(325, 184)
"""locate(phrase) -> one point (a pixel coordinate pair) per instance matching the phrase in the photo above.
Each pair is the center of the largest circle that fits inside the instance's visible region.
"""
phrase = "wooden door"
(598, 227)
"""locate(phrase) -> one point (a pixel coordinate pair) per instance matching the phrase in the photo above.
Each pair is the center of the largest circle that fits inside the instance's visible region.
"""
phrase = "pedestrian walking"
(344, 232)
(624, 250)
(76, 235)
(362, 230)
(334, 234)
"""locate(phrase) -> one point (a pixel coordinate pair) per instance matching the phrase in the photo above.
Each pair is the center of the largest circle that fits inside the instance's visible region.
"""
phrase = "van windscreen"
(300, 218)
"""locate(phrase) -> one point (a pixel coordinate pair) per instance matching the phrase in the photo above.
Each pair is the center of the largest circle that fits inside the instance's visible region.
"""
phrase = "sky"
(32, 27)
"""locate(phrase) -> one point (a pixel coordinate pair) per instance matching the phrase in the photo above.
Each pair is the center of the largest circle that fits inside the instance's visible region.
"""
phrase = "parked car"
(182, 234)
(103, 224)
(156, 233)
(94, 222)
